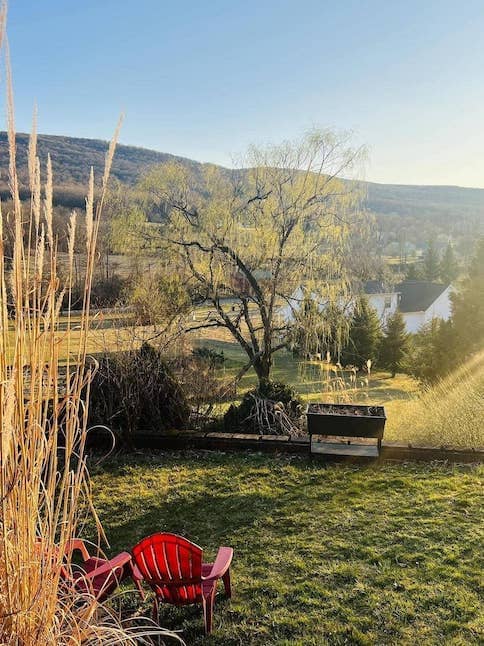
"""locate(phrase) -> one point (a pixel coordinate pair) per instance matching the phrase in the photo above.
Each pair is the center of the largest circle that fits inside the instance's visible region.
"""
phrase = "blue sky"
(206, 78)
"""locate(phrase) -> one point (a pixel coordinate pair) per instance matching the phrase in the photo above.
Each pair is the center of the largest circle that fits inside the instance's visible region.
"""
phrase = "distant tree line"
(435, 266)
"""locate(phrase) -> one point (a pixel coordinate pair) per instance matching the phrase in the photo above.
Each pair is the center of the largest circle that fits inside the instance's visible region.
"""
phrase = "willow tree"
(251, 240)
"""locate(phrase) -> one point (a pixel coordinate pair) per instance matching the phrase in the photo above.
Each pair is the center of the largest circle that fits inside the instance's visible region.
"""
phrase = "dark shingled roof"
(418, 295)
(375, 287)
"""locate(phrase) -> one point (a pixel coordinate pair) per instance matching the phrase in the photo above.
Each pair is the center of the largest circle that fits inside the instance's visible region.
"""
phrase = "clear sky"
(205, 78)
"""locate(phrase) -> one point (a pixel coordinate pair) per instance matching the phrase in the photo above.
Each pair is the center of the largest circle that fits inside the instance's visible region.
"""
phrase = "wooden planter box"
(346, 420)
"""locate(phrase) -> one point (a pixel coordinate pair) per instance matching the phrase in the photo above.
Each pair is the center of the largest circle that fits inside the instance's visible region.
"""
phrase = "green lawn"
(309, 378)
(323, 555)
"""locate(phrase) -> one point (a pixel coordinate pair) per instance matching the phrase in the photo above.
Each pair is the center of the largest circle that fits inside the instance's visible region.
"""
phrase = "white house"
(383, 300)
(419, 301)
(422, 301)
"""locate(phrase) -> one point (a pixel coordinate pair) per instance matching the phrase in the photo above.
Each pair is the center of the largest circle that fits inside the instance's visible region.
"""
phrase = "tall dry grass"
(449, 413)
(44, 482)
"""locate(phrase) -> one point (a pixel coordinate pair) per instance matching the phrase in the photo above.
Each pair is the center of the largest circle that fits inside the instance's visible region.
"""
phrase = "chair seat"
(206, 568)
(91, 564)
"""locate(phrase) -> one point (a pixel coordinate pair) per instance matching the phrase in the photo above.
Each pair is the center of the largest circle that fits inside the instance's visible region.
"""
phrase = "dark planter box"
(353, 420)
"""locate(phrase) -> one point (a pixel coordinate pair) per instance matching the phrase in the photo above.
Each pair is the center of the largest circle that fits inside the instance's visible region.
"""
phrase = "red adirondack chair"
(97, 576)
(172, 566)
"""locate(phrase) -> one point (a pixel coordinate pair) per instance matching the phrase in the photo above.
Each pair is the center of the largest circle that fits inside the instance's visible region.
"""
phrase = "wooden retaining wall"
(297, 446)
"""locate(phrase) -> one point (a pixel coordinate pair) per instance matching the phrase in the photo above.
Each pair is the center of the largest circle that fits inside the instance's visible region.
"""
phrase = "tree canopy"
(449, 268)
(248, 241)
(431, 264)
(468, 306)
(394, 344)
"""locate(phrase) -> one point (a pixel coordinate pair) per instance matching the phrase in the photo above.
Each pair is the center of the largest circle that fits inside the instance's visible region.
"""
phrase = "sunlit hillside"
(448, 413)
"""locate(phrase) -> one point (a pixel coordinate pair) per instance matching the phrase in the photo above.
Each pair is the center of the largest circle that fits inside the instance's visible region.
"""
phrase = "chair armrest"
(221, 564)
(77, 544)
(117, 562)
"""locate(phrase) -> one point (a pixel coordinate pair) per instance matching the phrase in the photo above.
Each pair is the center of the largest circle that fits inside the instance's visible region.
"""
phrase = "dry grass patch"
(450, 413)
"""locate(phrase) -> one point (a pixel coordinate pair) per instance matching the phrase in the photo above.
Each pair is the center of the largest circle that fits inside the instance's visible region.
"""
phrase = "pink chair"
(172, 566)
(97, 576)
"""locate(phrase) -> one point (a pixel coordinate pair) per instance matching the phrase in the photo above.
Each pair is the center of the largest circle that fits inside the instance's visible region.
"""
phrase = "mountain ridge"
(72, 158)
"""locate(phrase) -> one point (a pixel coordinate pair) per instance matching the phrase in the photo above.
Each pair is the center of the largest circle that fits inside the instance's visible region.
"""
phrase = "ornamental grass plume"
(44, 482)
(446, 413)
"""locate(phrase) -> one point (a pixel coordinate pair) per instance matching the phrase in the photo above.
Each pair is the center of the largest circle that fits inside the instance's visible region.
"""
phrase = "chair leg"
(140, 589)
(208, 611)
(136, 581)
(227, 586)
(155, 610)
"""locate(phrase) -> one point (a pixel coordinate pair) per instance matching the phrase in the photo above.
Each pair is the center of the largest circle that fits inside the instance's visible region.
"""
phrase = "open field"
(448, 414)
(323, 555)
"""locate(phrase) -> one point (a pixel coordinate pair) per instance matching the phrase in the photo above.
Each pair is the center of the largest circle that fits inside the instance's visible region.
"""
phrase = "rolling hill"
(72, 157)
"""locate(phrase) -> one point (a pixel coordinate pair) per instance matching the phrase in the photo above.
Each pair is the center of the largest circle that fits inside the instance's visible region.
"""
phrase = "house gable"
(419, 295)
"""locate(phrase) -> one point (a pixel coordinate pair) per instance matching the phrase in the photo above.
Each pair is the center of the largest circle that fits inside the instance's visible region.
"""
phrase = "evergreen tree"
(449, 269)
(441, 345)
(413, 271)
(394, 344)
(431, 263)
(434, 350)
(364, 335)
(468, 307)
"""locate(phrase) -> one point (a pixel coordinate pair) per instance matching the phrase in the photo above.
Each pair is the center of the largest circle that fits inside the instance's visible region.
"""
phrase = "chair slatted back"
(172, 566)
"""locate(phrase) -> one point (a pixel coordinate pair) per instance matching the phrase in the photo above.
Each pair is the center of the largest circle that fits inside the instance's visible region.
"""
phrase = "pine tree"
(364, 335)
(413, 271)
(434, 352)
(431, 263)
(394, 344)
(449, 269)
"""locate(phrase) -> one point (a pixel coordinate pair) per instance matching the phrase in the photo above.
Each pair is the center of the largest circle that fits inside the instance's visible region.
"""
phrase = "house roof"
(377, 287)
(418, 295)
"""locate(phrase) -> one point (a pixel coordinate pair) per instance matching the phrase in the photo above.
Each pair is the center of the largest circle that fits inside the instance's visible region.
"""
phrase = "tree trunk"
(262, 368)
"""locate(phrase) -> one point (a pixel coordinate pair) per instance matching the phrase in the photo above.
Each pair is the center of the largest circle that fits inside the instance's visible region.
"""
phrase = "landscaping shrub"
(107, 292)
(158, 299)
(271, 408)
(136, 391)
(209, 355)
(104, 293)
(204, 386)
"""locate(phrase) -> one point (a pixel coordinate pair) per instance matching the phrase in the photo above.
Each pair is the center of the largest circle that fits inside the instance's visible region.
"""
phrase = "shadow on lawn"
(339, 555)
(201, 519)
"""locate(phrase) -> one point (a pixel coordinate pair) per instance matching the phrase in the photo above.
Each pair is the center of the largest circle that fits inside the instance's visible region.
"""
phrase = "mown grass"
(309, 378)
(323, 555)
